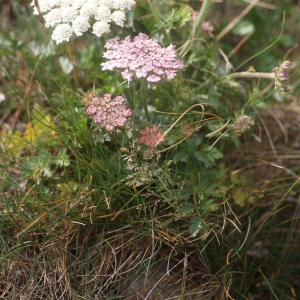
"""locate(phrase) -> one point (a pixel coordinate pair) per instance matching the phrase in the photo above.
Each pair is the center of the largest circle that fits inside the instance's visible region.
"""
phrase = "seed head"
(241, 125)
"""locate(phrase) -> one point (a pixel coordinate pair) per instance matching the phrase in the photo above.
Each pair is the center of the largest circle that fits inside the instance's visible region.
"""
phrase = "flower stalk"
(250, 75)
(280, 75)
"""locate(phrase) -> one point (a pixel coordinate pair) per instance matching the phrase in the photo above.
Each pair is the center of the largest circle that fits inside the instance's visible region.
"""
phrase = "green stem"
(202, 15)
(156, 13)
(146, 108)
(142, 93)
(154, 10)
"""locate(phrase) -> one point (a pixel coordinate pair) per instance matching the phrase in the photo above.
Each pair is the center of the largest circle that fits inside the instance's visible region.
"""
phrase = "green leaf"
(62, 159)
(213, 190)
(208, 206)
(180, 157)
(185, 209)
(88, 57)
(41, 165)
(195, 141)
(129, 133)
(197, 226)
(46, 171)
(243, 28)
(214, 96)
(27, 170)
(257, 138)
(179, 17)
(177, 194)
(128, 31)
(149, 24)
(144, 26)
(207, 157)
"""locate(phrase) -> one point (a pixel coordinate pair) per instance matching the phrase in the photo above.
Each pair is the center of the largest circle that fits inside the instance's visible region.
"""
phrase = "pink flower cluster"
(151, 136)
(141, 58)
(109, 113)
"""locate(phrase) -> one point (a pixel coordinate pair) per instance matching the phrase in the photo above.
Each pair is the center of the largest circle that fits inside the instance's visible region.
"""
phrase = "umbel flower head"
(76, 16)
(151, 136)
(109, 113)
(282, 75)
(141, 58)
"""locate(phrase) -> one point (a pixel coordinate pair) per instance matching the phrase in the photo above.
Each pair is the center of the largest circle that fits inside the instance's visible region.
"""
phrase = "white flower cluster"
(74, 16)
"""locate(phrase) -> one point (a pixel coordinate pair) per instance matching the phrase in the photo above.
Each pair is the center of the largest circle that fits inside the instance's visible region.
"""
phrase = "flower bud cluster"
(151, 136)
(141, 58)
(282, 74)
(75, 16)
(109, 113)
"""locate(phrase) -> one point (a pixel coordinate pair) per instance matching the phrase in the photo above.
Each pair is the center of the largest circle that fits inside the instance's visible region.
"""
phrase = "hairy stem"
(250, 75)
(156, 13)
(202, 15)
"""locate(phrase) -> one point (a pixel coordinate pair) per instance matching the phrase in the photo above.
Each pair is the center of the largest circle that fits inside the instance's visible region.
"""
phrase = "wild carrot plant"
(127, 152)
